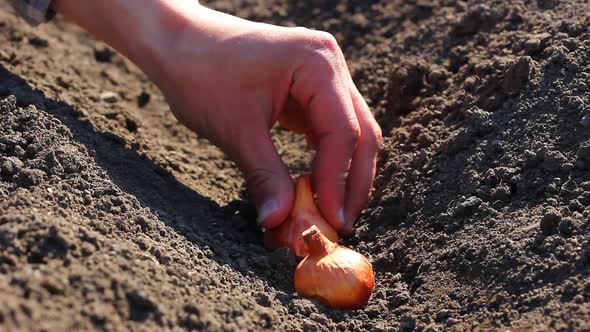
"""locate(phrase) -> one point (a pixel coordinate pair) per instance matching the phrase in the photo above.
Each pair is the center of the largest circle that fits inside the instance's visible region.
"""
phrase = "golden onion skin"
(303, 215)
(335, 275)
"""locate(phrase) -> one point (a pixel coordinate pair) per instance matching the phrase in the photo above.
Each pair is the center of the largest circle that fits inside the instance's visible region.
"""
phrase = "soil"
(114, 217)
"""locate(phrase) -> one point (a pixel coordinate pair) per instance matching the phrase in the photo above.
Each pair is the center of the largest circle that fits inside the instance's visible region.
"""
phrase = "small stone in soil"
(468, 206)
(302, 307)
(566, 227)
(518, 75)
(143, 99)
(442, 315)
(263, 299)
(549, 222)
(29, 177)
(9, 166)
(103, 54)
(109, 97)
(38, 42)
(501, 193)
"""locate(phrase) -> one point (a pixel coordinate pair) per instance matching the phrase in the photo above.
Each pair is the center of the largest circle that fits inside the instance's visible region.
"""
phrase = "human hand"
(231, 80)
(233, 86)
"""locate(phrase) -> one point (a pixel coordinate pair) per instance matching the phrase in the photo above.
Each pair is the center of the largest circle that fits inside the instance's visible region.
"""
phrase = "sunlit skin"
(231, 80)
(335, 275)
(303, 215)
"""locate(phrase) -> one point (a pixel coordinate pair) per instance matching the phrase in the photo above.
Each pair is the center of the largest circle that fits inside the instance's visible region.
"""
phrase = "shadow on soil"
(195, 217)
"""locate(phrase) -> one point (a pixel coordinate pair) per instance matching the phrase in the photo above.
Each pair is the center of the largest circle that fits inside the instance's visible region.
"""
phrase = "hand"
(231, 80)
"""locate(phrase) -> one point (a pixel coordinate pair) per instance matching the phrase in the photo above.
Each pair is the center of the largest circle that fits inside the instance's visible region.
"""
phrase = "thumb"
(267, 178)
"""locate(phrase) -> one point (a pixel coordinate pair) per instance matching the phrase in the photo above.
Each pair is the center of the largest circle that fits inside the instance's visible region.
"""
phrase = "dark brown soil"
(114, 217)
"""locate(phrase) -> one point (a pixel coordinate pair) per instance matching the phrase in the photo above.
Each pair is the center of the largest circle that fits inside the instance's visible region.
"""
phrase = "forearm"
(147, 31)
(139, 29)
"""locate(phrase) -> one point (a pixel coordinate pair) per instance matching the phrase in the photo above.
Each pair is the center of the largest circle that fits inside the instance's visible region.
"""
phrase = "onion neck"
(318, 244)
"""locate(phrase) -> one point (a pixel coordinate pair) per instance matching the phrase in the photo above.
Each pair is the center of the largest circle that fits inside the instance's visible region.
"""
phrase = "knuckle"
(378, 136)
(322, 45)
(259, 177)
(372, 138)
(351, 133)
(326, 41)
(318, 50)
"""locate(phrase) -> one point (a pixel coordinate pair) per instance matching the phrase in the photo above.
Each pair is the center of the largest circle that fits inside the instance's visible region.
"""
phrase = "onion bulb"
(303, 215)
(335, 275)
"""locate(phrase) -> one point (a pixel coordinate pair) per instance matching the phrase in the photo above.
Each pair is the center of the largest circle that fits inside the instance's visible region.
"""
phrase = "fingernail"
(341, 217)
(268, 208)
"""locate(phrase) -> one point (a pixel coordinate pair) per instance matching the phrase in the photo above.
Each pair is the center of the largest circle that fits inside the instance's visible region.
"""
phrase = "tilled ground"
(114, 217)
